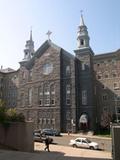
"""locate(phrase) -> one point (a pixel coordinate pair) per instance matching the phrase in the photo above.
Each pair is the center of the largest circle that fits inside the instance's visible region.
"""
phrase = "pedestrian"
(47, 142)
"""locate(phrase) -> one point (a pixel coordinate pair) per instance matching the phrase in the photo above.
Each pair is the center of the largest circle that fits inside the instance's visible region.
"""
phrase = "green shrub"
(10, 115)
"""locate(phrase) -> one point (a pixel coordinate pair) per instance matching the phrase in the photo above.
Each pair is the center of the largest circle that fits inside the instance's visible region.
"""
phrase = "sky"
(62, 18)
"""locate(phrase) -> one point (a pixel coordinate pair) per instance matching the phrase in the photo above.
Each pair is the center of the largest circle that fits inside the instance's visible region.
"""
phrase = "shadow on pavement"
(61, 156)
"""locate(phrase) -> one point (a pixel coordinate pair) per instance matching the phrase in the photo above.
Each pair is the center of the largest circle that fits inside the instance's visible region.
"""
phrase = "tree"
(105, 120)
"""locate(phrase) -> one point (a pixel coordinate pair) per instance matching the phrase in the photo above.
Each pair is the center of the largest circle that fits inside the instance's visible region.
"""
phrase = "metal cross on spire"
(48, 34)
(82, 20)
(81, 11)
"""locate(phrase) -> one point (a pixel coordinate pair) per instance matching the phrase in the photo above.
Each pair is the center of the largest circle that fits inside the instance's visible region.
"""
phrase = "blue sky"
(62, 17)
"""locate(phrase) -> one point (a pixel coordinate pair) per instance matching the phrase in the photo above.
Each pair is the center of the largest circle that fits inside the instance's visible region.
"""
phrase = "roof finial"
(81, 11)
(31, 33)
(82, 20)
(48, 34)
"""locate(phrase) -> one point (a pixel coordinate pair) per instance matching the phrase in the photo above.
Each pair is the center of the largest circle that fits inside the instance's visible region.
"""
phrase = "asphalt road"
(104, 143)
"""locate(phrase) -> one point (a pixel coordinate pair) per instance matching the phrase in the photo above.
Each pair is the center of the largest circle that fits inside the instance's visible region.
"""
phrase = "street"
(58, 151)
(104, 143)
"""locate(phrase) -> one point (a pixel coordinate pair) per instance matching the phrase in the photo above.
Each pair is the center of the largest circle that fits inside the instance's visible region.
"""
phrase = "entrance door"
(83, 122)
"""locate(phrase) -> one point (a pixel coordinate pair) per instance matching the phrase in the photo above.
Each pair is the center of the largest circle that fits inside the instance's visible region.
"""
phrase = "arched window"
(30, 96)
(68, 93)
(40, 91)
(84, 97)
(46, 94)
(40, 95)
(82, 42)
(46, 89)
(52, 94)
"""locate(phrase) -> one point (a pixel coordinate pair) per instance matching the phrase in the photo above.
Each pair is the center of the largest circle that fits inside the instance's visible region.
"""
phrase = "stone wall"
(115, 132)
(18, 136)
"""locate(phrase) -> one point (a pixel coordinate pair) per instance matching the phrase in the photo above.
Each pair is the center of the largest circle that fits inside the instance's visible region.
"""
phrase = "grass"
(104, 133)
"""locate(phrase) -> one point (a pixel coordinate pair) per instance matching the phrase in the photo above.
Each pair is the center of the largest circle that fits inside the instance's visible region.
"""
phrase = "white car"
(84, 143)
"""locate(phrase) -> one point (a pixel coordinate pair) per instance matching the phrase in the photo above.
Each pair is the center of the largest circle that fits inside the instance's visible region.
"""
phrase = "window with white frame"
(52, 89)
(49, 121)
(84, 97)
(83, 66)
(67, 70)
(40, 120)
(44, 120)
(68, 88)
(68, 93)
(30, 96)
(52, 100)
(52, 94)
(116, 85)
(106, 75)
(40, 90)
(53, 121)
(46, 100)
(114, 74)
(46, 94)
(46, 89)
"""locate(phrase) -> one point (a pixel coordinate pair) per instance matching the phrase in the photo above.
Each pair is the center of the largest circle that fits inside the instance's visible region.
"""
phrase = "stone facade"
(58, 90)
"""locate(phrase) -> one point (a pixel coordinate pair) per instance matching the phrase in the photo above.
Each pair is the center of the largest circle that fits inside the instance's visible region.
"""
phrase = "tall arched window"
(30, 96)
(84, 97)
(52, 94)
(40, 95)
(46, 94)
(68, 93)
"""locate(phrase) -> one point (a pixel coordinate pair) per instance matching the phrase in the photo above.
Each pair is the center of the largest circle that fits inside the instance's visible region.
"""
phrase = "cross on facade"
(48, 34)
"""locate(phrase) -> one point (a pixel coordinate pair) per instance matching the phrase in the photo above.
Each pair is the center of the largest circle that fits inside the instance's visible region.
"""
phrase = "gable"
(41, 51)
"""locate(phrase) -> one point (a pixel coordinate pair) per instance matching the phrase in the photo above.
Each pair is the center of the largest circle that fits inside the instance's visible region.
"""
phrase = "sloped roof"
(7, 70)
(107, 55)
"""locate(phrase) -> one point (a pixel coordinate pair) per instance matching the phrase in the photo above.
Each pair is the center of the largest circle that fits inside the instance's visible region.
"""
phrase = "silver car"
(83, 143)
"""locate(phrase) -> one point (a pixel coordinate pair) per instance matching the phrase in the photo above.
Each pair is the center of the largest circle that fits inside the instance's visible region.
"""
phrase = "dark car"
(40, 137)
(50, 132)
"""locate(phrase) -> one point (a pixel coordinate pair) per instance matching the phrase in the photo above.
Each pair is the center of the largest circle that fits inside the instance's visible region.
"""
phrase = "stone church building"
(56, 89)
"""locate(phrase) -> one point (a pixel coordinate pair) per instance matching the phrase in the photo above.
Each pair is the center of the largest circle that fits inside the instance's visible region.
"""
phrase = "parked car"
(84, 143)
(40, 137)
(37, 132)
(50, 132)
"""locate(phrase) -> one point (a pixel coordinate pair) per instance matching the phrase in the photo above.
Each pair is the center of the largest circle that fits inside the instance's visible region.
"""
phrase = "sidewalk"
(85, 135)
(57, 153)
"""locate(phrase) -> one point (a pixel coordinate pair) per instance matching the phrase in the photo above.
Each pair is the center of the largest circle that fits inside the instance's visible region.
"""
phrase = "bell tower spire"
(31, 35)
(82, 35)
(29, 48)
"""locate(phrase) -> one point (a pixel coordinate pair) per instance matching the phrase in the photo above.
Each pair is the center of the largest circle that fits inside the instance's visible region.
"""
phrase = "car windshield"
(88, 141)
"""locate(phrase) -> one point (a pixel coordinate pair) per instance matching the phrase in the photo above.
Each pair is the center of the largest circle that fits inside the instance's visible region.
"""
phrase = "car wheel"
(74, 145)
(91, 147)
